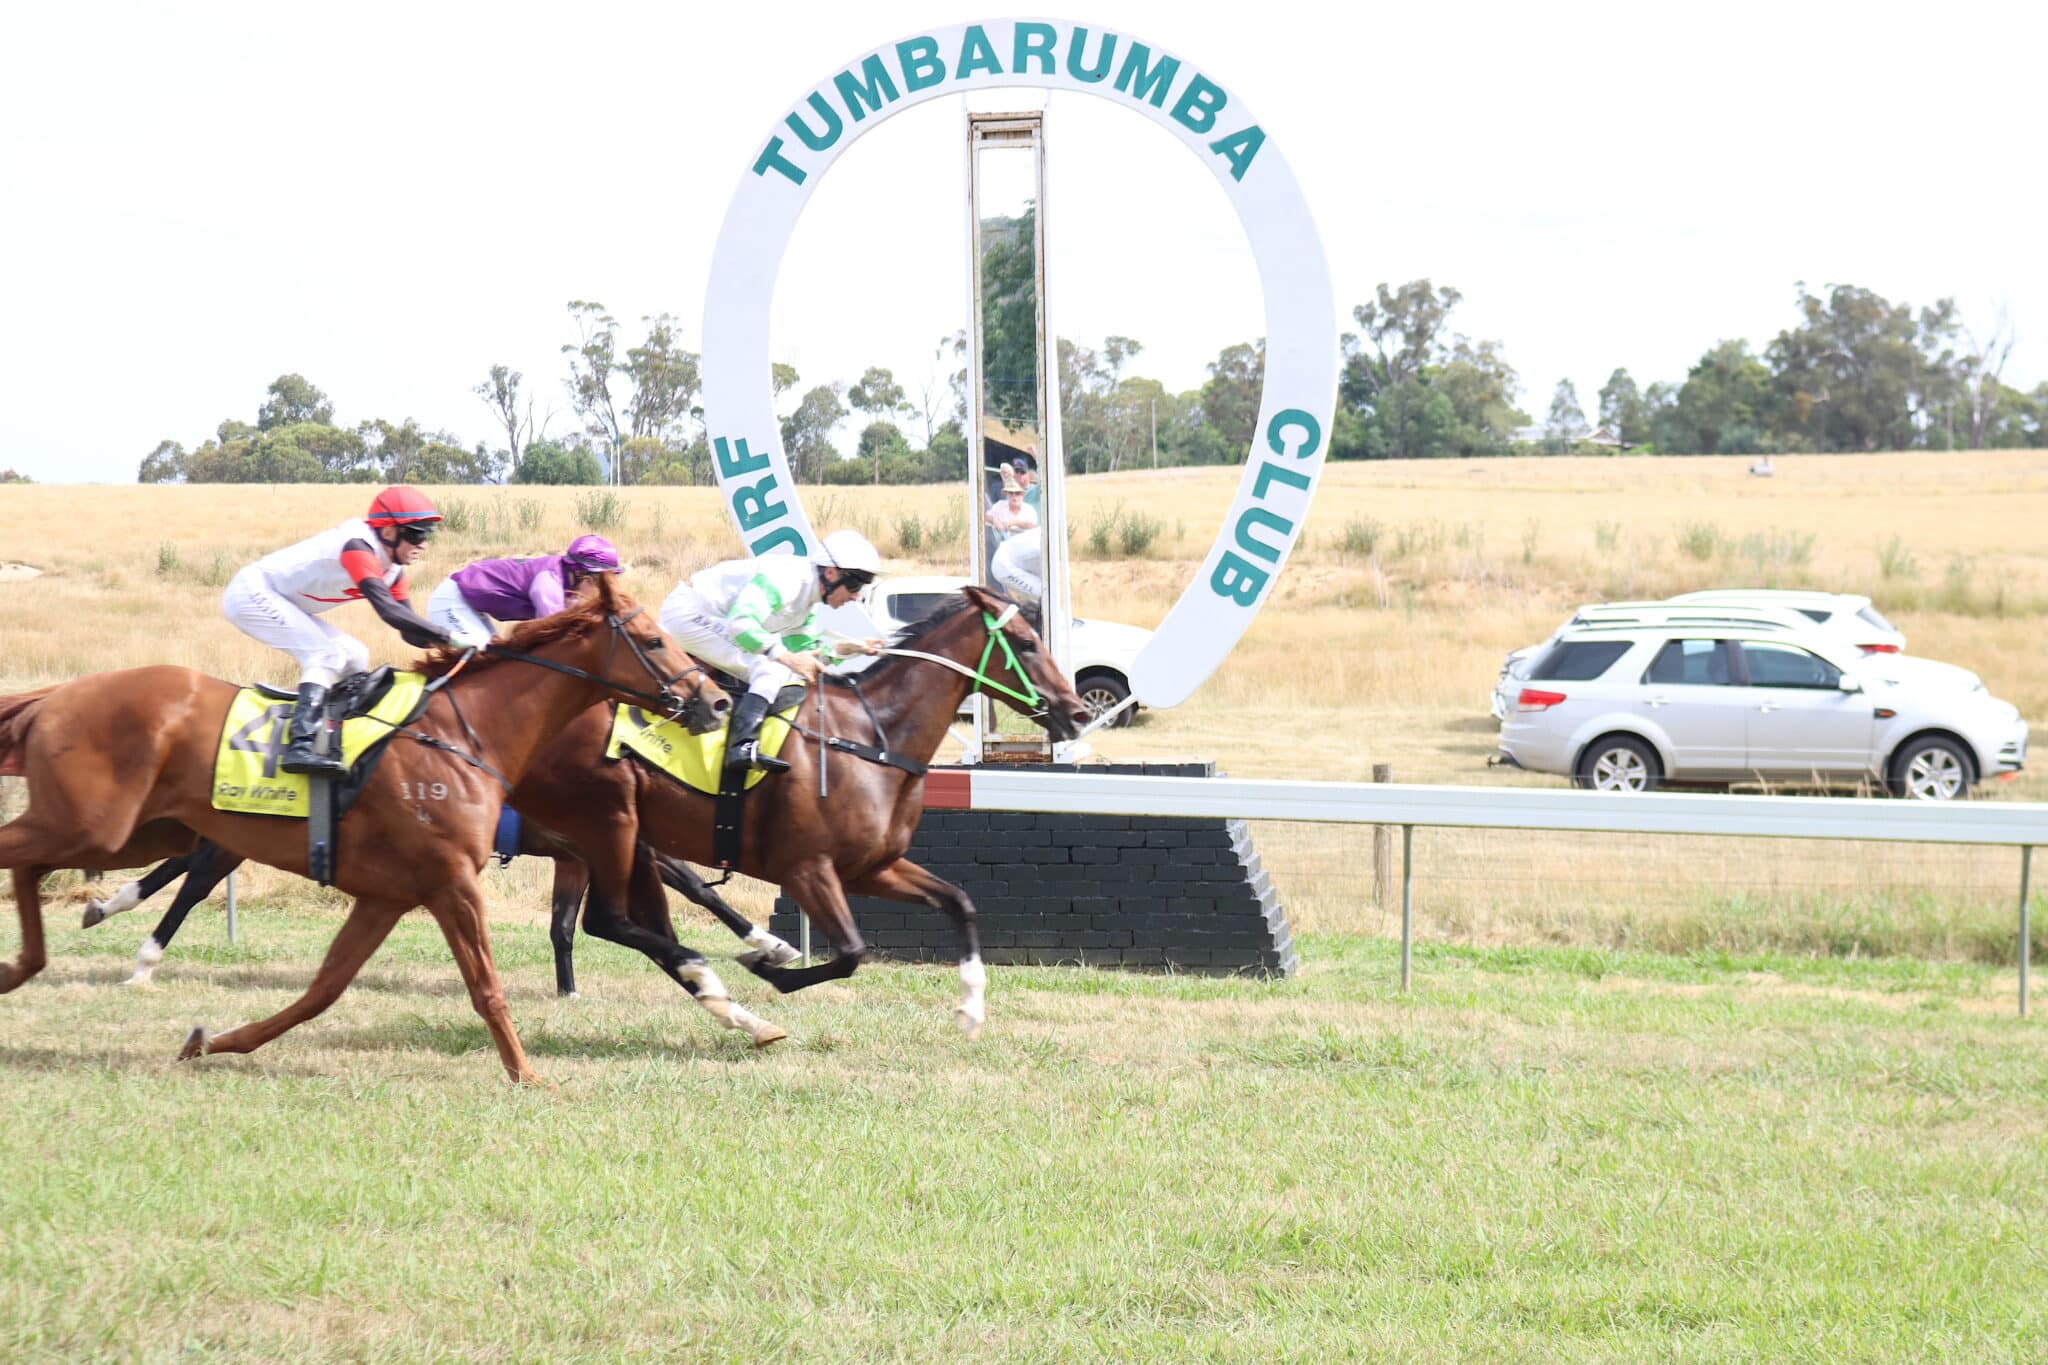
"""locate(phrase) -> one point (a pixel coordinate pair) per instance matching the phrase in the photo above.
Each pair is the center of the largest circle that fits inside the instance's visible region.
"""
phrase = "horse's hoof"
(567, 995)
(195, 1045)
(95, 912)
(141, 981)
(769, 1034)
(970, 1024)
(532, 1078)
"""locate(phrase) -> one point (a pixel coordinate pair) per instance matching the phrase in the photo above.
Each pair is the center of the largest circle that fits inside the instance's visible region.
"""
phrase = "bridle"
(979, 674)
(664, 699)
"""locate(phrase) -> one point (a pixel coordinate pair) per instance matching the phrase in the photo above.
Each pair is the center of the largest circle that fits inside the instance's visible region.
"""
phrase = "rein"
(666, 701)
(978, 675)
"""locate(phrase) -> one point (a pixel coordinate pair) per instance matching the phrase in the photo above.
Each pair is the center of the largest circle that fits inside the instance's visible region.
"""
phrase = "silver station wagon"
(1632, 708)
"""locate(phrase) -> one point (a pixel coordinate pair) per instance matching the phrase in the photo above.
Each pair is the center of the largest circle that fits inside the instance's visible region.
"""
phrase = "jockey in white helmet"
(758, 619)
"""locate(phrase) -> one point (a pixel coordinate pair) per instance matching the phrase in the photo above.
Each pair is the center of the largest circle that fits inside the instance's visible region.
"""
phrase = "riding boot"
(742, 741)
(308, 725)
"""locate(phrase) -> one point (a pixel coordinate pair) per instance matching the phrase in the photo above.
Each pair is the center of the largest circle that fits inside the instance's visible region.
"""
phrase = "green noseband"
(1029, 696)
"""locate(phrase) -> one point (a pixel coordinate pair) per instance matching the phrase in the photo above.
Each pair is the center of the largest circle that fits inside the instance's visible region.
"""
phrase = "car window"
(1787, 666)
(1579, 660)
(1875, 618)
(1815, 613)
(1701, 662)
(915, 606)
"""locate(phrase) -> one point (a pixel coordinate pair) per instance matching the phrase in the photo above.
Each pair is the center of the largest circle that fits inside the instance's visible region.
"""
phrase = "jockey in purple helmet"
(515, 589)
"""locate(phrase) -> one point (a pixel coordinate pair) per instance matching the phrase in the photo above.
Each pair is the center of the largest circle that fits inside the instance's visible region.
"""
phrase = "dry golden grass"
(1364, 656)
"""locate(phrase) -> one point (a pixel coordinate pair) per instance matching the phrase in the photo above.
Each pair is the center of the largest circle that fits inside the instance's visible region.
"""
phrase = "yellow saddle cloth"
(246, 777)
(693, 760)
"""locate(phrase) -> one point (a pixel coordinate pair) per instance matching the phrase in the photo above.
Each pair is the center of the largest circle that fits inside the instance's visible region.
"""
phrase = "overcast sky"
(390, 198)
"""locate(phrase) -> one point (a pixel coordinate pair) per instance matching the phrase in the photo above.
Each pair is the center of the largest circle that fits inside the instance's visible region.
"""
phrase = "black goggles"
(855, 581)
(416, 533)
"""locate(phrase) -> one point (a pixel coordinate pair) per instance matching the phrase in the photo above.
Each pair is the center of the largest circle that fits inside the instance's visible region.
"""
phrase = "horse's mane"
(585, 611)
(917, 632)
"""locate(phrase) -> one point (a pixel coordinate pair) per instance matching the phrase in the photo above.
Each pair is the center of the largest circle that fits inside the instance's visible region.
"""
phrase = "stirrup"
(749, 755)
(310, 764)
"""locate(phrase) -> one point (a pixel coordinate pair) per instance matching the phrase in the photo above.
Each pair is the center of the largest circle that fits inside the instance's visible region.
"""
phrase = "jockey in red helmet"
(280, 599)
(515, 589)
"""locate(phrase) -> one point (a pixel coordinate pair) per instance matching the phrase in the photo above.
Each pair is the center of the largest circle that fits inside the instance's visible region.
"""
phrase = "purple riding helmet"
(591, 554)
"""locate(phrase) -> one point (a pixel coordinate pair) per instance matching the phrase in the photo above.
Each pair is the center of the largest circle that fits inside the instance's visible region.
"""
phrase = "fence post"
(2026, 921)
(1382, 848)
(1407, 899)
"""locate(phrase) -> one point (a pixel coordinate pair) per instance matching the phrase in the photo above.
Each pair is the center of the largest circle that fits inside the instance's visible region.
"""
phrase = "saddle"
(355, 695)
(246, 776)
(696, 761)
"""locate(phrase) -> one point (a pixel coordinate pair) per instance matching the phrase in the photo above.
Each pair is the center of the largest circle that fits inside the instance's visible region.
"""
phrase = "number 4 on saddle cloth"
(246, 775)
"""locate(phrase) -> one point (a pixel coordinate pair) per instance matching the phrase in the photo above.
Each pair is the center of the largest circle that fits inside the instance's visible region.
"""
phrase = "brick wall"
(1143, 892)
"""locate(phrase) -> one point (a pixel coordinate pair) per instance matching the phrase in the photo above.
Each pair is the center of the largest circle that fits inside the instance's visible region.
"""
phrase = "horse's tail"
(17, 715)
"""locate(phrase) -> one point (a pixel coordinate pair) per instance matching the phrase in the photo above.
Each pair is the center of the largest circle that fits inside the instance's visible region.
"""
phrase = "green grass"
(1539, 1153)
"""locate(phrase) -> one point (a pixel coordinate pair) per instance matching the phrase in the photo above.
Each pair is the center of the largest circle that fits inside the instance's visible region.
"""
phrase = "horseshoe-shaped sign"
(1292, 435)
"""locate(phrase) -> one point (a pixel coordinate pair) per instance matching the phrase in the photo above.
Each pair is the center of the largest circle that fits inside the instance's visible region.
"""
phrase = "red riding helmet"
(401, 505)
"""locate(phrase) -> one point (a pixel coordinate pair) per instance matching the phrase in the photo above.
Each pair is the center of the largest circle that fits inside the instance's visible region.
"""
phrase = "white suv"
(1517, 664)
(1845, 616)
(1629, 708)
(1102, 651)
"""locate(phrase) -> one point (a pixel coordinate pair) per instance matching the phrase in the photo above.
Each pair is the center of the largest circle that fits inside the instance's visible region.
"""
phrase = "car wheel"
(1619, 763)
(1931, 769)
(1101, 691)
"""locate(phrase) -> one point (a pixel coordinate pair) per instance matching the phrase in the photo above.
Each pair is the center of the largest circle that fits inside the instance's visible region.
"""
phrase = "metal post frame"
(1026, 131)
(231, 907)
(1407, 901)
(2026, 922)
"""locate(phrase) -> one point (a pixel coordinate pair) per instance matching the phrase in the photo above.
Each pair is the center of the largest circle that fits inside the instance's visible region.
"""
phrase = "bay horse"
(880, 728)
(120, 772)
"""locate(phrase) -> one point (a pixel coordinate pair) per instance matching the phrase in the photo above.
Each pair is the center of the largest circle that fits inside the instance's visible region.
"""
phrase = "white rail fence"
(2013, 824)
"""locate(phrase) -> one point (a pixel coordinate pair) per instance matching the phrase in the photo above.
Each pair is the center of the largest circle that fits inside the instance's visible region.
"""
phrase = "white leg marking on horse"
(127, 898)
(770, 951)
(972, 1011)
(146, 957)
(711, 995)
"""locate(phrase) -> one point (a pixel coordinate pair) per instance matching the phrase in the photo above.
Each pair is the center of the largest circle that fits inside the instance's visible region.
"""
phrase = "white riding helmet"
(848, 549)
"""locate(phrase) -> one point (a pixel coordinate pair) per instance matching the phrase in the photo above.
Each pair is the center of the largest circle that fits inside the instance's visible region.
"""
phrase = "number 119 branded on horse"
(119, 768)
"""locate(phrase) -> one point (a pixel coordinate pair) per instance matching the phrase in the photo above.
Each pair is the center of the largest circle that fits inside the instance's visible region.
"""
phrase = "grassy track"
(1809, 1129)
(1542, 1153)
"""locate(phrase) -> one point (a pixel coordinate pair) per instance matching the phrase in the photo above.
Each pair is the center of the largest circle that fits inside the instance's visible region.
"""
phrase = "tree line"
(1855, 372)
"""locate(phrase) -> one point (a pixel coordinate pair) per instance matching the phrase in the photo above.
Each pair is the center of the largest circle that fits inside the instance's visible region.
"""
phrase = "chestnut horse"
(120, 771)
(816, 847)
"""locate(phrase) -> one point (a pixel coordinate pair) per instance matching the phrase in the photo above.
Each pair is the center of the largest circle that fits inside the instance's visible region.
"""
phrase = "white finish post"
(231, 907)
(1021, 133)
(977, 565)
